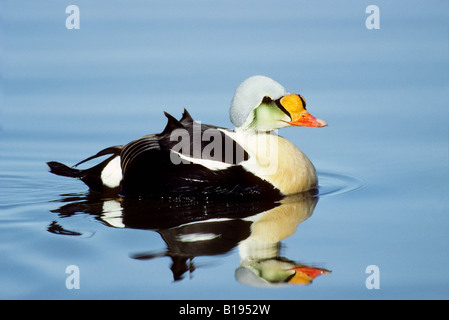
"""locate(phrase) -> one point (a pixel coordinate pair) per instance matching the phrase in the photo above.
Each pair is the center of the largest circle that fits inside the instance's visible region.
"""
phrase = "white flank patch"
(194, 237)
(111, 176)
(210, 164)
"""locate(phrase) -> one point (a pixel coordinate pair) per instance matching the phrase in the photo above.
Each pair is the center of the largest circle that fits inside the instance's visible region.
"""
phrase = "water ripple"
(332, 183)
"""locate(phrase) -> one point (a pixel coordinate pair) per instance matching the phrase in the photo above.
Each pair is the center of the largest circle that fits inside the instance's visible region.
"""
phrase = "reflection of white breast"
(272, 226)
(277, 160)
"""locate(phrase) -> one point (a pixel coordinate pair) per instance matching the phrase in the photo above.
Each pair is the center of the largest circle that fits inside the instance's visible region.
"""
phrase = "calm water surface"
(382, 161)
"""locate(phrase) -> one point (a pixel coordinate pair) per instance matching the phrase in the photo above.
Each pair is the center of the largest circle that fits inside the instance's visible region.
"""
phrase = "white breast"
(278, 161)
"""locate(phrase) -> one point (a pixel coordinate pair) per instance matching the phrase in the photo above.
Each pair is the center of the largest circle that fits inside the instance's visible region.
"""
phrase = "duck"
(192, 160)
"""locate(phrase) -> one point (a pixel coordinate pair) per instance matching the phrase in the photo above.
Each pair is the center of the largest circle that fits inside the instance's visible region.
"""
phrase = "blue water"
(382, 161)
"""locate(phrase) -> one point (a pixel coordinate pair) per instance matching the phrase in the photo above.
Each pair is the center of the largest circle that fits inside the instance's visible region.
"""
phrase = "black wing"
(152, 168)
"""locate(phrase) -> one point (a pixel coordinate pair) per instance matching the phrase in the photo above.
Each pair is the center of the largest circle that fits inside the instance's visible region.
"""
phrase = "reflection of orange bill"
(305, 275)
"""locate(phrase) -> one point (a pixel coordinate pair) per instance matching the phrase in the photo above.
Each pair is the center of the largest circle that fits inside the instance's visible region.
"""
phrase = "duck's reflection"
(193, 229)
(261, 263)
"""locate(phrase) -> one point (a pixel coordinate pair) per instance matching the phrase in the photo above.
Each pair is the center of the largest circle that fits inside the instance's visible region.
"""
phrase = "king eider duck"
(189, 159)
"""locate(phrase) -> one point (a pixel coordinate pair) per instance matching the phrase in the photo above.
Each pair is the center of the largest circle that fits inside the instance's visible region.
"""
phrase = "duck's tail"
(63, 170)
(105, 176)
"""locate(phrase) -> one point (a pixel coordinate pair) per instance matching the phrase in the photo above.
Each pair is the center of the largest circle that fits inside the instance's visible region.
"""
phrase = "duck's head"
(262, 104)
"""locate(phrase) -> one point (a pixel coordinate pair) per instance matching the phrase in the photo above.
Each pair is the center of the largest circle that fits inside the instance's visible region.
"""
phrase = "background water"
(382, 161)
